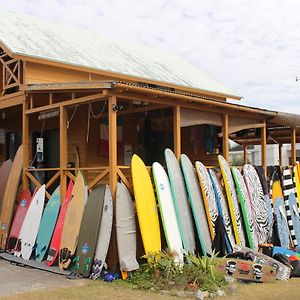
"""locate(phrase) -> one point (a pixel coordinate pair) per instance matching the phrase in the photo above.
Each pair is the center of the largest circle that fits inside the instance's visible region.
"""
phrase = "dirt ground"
(21, 283)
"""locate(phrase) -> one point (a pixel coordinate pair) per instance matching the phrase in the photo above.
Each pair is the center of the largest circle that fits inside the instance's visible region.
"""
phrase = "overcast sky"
(251, 46)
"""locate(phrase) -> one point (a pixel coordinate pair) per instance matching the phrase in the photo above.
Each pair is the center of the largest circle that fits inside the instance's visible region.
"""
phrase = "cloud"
(251, 46)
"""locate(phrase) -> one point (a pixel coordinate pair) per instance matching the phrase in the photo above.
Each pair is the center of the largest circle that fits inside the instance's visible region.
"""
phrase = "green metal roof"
(32, 37)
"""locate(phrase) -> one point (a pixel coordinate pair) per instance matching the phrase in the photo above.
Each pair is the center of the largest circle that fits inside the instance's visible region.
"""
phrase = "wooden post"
(25, 142)
(225, 140)
(245, 154)
(263, 142)
(177, 131)
(293, 146)
(280, 154)
(63, 150)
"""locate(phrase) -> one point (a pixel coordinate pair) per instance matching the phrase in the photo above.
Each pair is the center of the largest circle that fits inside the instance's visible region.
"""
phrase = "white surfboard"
(31, 224)
(167, 211)
(104, 235)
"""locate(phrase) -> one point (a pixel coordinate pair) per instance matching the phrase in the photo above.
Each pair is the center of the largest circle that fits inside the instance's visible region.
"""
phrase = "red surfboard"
(56, 238)
(24, 201)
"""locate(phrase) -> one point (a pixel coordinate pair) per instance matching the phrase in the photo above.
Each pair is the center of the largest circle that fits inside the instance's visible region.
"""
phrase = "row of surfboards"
(191, 196)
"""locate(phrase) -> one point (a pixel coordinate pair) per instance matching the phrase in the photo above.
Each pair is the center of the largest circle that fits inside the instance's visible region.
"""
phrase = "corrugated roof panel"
(29, 36)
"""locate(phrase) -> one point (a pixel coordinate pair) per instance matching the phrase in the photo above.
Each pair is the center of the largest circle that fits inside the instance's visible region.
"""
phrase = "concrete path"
(15, 279)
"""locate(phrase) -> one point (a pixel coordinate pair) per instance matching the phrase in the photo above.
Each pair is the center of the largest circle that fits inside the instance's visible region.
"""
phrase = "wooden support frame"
(280, 154)
(245, 148)
(225, 140)
(293, 146)
(263, 150)
(177, 131)
(25, 142)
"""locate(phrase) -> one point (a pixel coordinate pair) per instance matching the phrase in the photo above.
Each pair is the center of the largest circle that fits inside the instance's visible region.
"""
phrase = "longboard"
(89, 230)
(126, 229)
(31, 224)
(181, 202)
(222, 207)
(9, 197)
(72, 223)
(47, 225)
(232, 202)
(208, 195)
(56, 237)
(257, 203)
(24, 201)
(197, 204)
(104, 235)
(288, 189)
(247, 270)
(167, 211)
(246, 209)
(4, 174)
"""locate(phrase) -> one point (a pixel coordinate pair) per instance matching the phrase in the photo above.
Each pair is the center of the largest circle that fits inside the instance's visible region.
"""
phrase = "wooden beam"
(94, 97)
(225, 141)
(112, 124)
(63, 150)
(25, 142)
(263, 143)
(98, 178)
(280, 154)
(245, 154)
(293, 146)
(177, 131)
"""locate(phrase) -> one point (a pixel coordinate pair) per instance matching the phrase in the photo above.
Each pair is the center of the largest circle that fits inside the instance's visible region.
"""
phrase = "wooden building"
(81, 101)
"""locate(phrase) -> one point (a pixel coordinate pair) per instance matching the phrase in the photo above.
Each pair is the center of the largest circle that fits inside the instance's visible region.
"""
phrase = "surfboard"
(208, 195)
(4, 173)
(197, 205)
(285, 251)
(181, 202)
(47, 225)
(288, 188)
(89, 230)
(245, 208)
(9, 197)
(296, 179)
(232, 202)
(257, 203)
(24, 201)
(72, 223)
(31, 224)
(103, 238)
(145, 206)
(276, 196)
(222, 207)
(56, 237)
(167, 211)
(126, 229)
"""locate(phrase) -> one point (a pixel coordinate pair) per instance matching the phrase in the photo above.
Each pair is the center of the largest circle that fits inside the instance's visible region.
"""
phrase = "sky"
(252, 47)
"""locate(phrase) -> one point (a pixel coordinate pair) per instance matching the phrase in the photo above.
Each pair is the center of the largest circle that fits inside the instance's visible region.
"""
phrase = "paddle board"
(56, 238)
(31, 224)
(47, 225)
(257, 203)
(10, 195)
(72, 223)
(222, 207)
(103, 238)
(288, 188)
(181, 202)
(126, 229)
(167, 211)
(232, 201)
(89, 230)
(208, 195)
(197, 205)
(246, 210)
(24, 201)
(4, 174)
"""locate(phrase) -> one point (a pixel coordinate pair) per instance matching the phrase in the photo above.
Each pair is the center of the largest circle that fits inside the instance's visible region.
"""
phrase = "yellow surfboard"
(297, 180)
(146, 206)
(231, 198)
(276, 190)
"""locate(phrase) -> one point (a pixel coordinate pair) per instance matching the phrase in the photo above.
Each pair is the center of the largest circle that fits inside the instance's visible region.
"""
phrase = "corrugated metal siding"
(29, 36)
